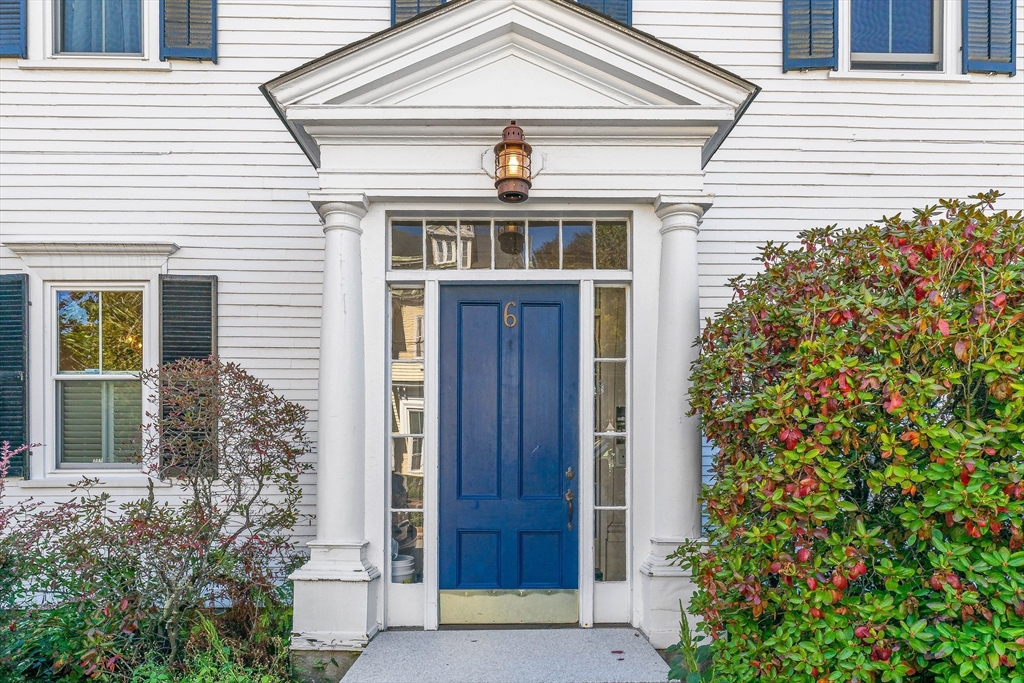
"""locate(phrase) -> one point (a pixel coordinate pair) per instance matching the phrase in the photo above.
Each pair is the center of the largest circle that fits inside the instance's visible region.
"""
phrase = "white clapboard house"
(497, 388)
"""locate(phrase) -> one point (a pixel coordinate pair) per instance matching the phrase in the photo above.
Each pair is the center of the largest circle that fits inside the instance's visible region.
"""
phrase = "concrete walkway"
(567, 655)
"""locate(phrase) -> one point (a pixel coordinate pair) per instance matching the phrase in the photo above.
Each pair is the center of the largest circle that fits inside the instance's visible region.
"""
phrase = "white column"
(340, 395)
(336, 591)
(677, 449)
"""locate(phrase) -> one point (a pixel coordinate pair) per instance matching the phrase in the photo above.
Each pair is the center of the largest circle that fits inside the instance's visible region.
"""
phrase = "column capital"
(341, 211)
(681, 212)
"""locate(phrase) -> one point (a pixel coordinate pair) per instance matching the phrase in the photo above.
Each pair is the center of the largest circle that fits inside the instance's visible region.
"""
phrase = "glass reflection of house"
(443, 246)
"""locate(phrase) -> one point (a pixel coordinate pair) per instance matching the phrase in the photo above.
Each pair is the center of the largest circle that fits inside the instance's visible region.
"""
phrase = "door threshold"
(540, 606)
(504, 627)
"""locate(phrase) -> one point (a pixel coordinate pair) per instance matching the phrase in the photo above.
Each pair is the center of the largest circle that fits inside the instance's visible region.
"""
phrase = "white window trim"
(57, 263)
(599, 601)
(150, 358)
(949, 52)
(42, 47)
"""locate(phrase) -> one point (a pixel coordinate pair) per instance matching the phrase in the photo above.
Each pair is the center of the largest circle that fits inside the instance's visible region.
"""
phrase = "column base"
(335, 598)
(663, 585)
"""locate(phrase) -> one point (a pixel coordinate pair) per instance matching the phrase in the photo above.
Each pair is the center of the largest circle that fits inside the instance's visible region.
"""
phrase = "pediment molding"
(473, 64)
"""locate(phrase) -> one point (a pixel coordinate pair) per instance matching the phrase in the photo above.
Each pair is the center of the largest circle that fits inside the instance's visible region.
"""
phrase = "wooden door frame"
(432, 280)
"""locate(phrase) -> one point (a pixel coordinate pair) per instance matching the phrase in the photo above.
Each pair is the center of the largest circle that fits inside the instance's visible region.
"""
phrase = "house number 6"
(510, 318)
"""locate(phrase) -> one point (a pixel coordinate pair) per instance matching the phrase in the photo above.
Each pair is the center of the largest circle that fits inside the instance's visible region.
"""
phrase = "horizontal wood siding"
(813, 149)
(196, 156)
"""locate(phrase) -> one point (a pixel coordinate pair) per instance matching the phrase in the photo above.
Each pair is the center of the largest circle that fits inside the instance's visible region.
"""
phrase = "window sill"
(108, 480)
(78, 63)
(867, 75)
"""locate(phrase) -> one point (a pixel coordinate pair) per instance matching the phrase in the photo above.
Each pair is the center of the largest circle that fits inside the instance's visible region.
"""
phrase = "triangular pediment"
(475, 62)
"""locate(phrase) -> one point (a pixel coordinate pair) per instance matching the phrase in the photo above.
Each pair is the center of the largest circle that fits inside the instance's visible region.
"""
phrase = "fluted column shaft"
(341, 458)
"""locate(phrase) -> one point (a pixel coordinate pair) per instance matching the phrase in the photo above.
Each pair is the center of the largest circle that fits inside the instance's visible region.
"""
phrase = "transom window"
(98, 391)
(535, 244)
(99, 26)
(896, 34)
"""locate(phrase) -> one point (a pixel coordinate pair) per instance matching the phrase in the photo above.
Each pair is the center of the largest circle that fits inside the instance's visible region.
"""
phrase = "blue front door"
(509, 437)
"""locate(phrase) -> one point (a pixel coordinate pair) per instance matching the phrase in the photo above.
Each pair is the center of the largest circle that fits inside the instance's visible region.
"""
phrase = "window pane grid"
(97, 390)
(509, 244)
(406, 402)
(610, 433)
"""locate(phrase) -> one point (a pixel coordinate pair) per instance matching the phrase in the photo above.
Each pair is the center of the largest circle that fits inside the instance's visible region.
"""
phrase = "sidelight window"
(406, 409)
(610, 433)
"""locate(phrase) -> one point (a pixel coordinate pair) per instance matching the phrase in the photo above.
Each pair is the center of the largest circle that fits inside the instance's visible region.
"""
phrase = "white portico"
(400, 127)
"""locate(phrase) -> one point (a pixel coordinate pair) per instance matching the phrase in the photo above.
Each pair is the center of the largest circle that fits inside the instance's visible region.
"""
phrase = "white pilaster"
(677, 452)
(336, 591)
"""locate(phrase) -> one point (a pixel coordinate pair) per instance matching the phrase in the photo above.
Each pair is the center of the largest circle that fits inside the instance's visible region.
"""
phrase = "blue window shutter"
(14, 367)
(809, 34)
(188, 29)
(12, 29)
(188, 317)
(403, 10)
(989, 45)
(619, 10)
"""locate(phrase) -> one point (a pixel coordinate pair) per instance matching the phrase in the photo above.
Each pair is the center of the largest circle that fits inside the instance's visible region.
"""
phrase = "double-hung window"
(99, 394)
(104, 26)
(116, 32)
(900, 35)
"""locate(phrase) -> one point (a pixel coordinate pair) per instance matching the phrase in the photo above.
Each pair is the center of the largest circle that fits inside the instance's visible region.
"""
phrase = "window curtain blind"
(110, 26)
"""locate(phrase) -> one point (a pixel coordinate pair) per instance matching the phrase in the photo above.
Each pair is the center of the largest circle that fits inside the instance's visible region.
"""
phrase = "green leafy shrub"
(101, 588)
(865, 393)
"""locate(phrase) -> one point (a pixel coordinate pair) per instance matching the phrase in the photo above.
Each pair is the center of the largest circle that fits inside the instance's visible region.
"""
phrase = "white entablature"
(410, 111)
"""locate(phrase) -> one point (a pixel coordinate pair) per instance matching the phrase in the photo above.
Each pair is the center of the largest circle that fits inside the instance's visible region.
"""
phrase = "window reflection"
(544, 245)
(612, 246)
(406, 547)
(407, 472)
(610, 471)
(610, 322)
(610, 545)
(610, 397)
(510, 246)
(577, 246)
(407, 324)
(503, 244)
(476, 245)
(407, 245)
(441, 246)
(99, 332)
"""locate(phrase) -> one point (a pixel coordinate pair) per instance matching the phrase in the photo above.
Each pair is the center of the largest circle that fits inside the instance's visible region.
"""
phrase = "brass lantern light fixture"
(512, 176)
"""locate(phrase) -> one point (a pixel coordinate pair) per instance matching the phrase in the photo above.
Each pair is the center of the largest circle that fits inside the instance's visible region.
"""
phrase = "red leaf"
(895, 401)
(999, 301)
(943, 328)
(960, 349)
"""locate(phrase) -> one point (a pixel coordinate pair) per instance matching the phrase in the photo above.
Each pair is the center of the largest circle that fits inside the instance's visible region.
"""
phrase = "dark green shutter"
(14, 367)
(12, 28)
(989, 45)
(188, 317)
(809, 34)
(188, 29)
